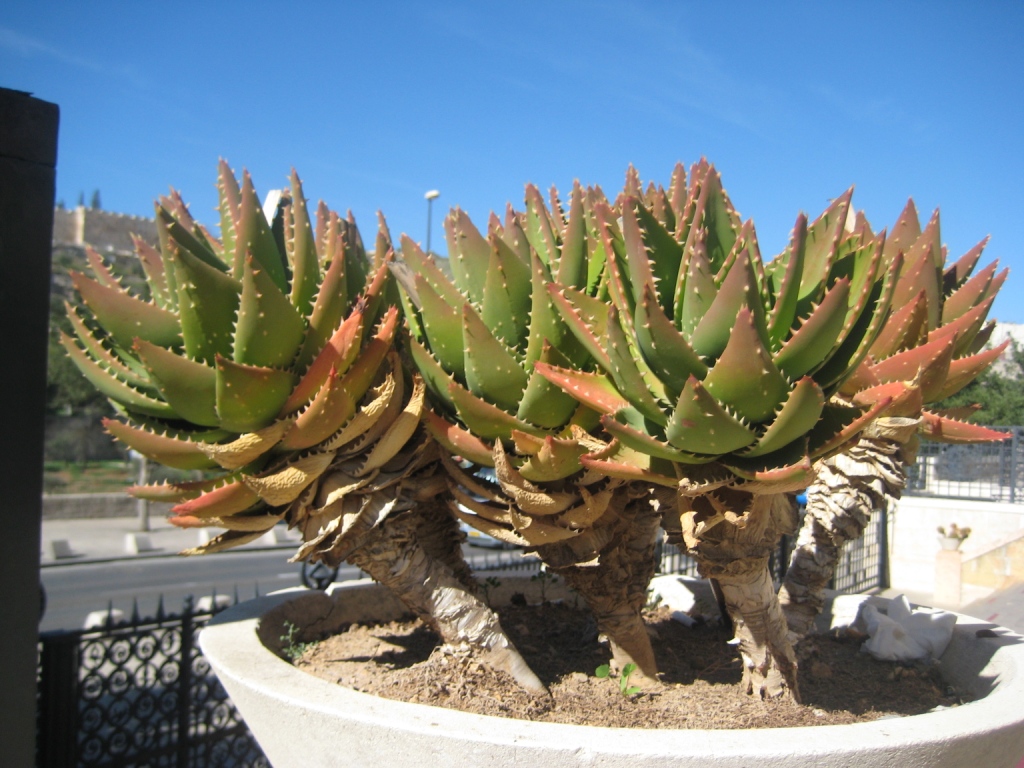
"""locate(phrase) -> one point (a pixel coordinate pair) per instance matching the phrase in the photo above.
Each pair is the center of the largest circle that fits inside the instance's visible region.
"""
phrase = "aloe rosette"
(268, 359)
(931, 346)
(479, 339)
(715, 375)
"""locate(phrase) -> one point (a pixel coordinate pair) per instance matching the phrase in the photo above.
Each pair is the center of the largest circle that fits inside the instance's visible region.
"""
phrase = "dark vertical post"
(1013, 463)
(883, 547)
(28, 160)
(185, 683)
(58, 700)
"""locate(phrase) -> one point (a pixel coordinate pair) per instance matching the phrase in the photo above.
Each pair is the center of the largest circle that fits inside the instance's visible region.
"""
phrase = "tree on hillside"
(1000, 394)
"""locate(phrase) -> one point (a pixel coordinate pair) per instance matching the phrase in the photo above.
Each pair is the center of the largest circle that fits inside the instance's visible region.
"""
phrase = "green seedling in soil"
(624, 687)
(544, 578)
(290, 647)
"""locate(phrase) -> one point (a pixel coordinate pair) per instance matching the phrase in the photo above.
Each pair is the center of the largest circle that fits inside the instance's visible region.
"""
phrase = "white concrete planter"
(303, 721)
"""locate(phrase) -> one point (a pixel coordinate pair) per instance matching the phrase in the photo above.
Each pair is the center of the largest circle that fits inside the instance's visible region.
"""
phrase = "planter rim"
(235, 651)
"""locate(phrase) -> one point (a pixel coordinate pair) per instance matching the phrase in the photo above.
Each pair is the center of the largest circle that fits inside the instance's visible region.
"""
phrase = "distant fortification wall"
(103, 230)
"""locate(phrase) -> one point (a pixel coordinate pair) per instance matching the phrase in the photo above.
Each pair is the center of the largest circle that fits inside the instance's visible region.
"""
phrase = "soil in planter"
(701, 673)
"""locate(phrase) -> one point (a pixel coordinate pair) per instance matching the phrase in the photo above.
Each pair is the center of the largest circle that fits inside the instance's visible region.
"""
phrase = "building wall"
(103, 230)
(914, 541)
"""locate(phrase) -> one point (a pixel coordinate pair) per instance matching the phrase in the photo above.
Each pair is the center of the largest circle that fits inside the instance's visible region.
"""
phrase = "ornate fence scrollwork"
(138, 693)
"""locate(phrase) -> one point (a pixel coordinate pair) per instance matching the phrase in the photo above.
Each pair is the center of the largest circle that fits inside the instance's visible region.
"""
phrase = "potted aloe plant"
(613, 365)
(931, 347)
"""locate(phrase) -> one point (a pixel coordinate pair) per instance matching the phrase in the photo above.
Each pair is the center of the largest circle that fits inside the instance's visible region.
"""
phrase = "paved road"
(73, 590)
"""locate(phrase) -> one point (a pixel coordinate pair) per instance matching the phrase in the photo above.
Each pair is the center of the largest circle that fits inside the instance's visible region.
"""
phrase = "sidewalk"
(78, 540)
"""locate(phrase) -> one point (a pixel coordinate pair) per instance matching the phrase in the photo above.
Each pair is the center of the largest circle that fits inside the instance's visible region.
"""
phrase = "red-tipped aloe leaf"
(456, 440)
(965, 370)
(929, 361)
(338, 354)
(946, 430)
(969, 294)
(906, 327)
(220, 502)
(324, 416)
(839, 424)
(592, 389)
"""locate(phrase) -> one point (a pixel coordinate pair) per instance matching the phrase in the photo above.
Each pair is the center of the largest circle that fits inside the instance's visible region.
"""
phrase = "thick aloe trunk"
(416, 555)
(732, 539)
(847, 489)
(615, 584)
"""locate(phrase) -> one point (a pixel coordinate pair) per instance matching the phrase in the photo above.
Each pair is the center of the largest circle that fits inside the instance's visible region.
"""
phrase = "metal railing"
(137, 693)
(984, 471)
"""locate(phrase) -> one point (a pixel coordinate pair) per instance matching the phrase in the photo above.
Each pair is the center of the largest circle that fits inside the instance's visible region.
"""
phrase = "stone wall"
(103, 230)
(914, 541)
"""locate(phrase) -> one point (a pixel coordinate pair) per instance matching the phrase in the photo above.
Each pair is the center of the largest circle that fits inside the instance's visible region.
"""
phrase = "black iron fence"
(134, 694)
(984, 471)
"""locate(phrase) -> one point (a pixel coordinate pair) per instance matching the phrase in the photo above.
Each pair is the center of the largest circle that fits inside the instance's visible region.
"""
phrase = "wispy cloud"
(29, 47)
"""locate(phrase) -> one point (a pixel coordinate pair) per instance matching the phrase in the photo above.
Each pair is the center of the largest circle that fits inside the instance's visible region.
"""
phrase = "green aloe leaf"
(255, 237)
(700, 425)
(248, 397)
(229, 198)
(546, 324)
(125, 317)
(738, 291)
(785, 271)
(572, 263)
(304, 263)
(442, 324)
(745, 378)
(667, 351)
(666, 253)
(797, 417)
(540, 230)
(270, 329)
(189, 387)
(506, 298)
(169, 450)
(189, 242)
(696, 293)
(627, 372)
(492, 370)
(468, 254)
(111, 386)
(101, 354)
(647, 444)
(483, 419)
(587, 319)
(544, 403)
(207, 303)
(434, 374)
(811, 343)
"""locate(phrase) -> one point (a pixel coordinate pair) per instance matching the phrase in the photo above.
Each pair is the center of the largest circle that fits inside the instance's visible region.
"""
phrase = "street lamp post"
(431, 196)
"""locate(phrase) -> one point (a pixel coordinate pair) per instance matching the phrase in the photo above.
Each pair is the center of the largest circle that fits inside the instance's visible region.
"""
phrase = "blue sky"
(793, 102)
